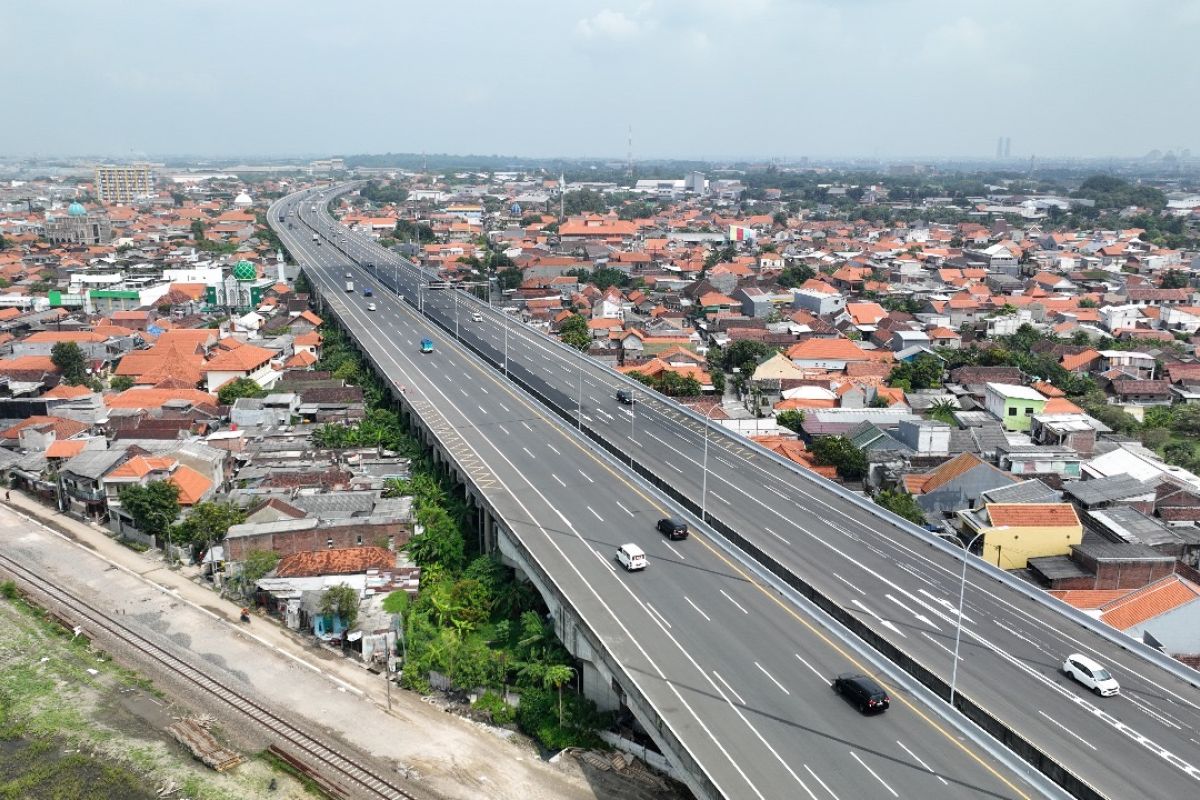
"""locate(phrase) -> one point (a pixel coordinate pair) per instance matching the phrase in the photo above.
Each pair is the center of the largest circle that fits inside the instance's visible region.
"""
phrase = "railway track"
(352, 779)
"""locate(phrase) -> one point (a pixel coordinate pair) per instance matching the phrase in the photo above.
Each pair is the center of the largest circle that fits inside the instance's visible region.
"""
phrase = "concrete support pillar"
(598, 687)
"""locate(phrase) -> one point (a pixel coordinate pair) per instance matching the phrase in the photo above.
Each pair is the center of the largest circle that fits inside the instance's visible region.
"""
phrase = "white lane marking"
(506, 433)
(920, 761)
(722, 499)
(763, 670)
(594, 514)
(882, 621)
(676, 552)
(526, 449)
(823, 784)
(698, 611)
(623, 508)
(482, 389)
(777, 536)
(658, 614)
(1150, 710)
(730, 688)
(672, 466)
(506, 408)
(464, 392)
(949, 652)
(874, 773)
(560, 481)
(735, 602)
(1066, 730)
(802, 660)
(916, 614)
(848, 583)
(552, 447)
(526, 424)
(481, 408)
(585, 475)
(951, 609)
(1021, 635)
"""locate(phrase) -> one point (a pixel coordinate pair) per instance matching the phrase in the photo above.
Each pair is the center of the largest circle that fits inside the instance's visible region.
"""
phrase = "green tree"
(574, 331)
(341, 601)
(71, 362)
(197, 231)
(255, 566)
(795, 275)
(1175, 279)
(153, 507)
(790, 419)
(902, 504)
(840, 453)
(207, 524)
(943, 411)
(120, 383)
(557, 675)
(239, 387)
(922, 372)
(509, 279)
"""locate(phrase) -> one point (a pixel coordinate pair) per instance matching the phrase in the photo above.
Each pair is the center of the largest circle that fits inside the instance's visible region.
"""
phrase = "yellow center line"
(837, 648)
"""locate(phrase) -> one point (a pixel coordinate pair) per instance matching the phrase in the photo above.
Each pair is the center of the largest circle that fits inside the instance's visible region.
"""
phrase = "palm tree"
(943, 410)
(556, 675)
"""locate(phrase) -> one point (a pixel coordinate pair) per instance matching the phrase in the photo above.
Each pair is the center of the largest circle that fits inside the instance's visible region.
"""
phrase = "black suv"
(673, 527)
(861, 691)
(625, 396)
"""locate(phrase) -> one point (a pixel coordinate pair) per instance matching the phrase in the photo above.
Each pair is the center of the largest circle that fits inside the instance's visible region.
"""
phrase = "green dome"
(244, 271)
(76, 210)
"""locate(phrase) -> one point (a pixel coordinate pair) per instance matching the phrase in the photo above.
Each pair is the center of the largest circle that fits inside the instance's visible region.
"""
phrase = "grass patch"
(279, 765)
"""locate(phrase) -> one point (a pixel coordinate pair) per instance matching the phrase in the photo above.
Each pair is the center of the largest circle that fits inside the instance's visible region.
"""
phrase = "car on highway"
(370, 306)
(476, 317)
(625, 396)
(367, 292)
(632, 557)
(427, 345)
(348, 275)
(863, 692)
(673, 528)
(1091, 674)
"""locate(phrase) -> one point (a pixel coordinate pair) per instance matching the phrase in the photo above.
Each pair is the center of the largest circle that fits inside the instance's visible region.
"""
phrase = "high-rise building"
(1007, 146)
(123, 184)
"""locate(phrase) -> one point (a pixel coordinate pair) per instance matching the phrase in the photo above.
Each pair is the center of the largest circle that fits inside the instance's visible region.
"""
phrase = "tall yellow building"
(123, 184)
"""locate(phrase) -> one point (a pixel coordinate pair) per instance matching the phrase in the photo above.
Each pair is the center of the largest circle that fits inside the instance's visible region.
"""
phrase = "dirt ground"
(88, 721)
(443, 755)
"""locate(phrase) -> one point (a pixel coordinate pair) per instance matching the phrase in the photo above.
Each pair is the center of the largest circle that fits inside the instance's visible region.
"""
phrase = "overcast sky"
(694, 78)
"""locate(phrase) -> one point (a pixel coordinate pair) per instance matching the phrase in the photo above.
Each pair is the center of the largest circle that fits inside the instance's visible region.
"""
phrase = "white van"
(631, 557)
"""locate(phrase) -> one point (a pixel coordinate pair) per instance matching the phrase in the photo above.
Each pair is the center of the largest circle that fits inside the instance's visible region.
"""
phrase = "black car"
(625, 396)
(862, 691)
(673, 527)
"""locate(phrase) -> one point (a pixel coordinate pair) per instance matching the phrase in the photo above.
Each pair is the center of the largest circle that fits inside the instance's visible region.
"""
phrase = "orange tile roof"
(1060, 405)
(311, 338)
(310, 317)
(829, 350)
(794, 450)
(1087, 598)
(1032, 515)
(66, 392)
(27, 364)
(64, 336)
(141, 466)
(924, 482)
(192, 484)
(1073, 362)
(65, 448)
(63, 428)
(242, 359)
(301, 360)
(338, 561)
(1148, 602)
(140, 397)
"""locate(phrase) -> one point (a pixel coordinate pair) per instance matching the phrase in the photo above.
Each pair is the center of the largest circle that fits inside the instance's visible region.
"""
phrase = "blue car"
(427, 345)
(368, 293)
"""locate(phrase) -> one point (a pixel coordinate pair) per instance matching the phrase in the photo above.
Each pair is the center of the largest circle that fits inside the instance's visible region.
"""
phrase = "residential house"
(1013, 533)
(1013, 405)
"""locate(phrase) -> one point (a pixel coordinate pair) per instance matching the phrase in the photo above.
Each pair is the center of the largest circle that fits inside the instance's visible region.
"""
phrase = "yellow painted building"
(1013, 533)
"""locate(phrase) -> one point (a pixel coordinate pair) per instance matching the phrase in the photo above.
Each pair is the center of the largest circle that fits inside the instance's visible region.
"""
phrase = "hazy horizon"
(709, 80)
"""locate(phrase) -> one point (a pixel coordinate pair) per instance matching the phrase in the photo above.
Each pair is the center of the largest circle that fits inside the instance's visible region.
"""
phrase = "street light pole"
(505, 313)
(962, 591)
(704, 478)
(579, 405)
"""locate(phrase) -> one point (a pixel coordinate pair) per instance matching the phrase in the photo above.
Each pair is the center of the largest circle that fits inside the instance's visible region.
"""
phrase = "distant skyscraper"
(999, 148)
(123, 184)
(1007, 146)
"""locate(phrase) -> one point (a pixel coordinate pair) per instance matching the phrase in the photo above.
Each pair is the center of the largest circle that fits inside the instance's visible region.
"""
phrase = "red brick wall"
(285, 544)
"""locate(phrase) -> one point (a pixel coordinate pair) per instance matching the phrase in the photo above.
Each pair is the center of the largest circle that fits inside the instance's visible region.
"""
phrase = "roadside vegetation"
(473, 622)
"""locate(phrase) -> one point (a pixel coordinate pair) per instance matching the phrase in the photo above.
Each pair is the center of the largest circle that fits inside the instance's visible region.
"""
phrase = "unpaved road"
(449, 757)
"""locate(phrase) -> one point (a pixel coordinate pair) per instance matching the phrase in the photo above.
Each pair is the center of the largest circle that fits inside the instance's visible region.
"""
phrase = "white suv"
(1089, 673)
